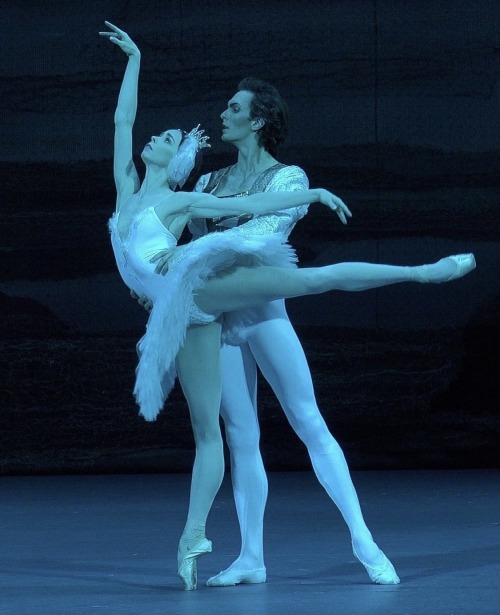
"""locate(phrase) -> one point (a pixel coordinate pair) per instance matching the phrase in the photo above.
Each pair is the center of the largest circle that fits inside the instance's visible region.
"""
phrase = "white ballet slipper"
(383, 574)
(232, 576)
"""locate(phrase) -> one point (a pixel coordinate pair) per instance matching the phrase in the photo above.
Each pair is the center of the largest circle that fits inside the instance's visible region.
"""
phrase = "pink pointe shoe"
(383, 574)
(229, 577)
(187, 569)
(445, 270)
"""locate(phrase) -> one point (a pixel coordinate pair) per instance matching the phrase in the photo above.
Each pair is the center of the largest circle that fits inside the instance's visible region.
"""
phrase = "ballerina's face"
(162, 148)
(236, 122)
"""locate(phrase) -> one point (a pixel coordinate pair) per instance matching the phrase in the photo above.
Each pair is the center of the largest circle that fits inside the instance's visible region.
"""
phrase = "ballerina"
(206, 278)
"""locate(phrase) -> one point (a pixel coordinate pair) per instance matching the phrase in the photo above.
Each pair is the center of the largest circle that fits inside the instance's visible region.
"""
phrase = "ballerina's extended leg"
(246, 286)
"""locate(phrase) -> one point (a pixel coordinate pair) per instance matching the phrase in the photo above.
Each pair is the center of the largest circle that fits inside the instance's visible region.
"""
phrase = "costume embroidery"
(260, 184)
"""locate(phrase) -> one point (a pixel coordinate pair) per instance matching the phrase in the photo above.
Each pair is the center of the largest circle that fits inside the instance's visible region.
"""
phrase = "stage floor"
(78, 545)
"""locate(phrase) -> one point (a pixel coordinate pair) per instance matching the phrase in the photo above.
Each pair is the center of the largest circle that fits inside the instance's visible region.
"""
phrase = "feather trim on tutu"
(191, 266)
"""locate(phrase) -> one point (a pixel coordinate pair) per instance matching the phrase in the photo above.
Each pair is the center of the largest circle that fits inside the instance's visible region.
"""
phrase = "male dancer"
(255, 122)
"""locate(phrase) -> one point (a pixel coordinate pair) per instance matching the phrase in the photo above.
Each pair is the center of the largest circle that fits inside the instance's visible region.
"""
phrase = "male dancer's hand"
(162, 259)
(143, 301)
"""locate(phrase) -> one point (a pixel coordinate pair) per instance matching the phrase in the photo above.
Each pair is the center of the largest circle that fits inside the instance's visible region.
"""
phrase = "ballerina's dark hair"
(268, 105)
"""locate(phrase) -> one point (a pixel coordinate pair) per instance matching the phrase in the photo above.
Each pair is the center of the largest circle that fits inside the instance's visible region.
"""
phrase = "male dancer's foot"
(238, 572)
(376, 563)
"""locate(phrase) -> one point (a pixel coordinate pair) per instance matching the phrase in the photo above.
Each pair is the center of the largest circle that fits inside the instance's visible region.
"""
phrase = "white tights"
(198, 367)
(280, 356)
(245, 286)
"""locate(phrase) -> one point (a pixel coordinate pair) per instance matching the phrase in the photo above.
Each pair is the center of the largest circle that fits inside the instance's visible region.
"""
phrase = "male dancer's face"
(236, 122)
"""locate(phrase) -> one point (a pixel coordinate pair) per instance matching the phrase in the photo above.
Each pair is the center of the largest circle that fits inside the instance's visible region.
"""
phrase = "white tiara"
(183, 162)
(202, 140)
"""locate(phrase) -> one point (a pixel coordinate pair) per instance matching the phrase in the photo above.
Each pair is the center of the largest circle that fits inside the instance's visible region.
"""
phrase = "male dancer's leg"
(239, 411)
(282, 361)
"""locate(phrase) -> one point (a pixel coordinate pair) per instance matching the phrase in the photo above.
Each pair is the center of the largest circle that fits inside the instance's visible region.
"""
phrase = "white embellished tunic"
(278, 178)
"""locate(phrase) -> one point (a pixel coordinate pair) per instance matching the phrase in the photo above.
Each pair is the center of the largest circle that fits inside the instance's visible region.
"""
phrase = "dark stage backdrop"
(395, 106)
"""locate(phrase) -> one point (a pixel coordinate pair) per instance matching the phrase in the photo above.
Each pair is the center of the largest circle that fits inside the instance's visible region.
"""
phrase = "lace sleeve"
(291, 179)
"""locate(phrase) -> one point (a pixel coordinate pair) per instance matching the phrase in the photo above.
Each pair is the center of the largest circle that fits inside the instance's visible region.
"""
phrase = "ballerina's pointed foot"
(447, 269)
(231, 576)
(187, 569)
(464, 264)
(383, 573)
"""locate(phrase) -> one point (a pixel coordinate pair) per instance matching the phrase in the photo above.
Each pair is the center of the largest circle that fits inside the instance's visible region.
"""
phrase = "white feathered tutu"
(172, 297)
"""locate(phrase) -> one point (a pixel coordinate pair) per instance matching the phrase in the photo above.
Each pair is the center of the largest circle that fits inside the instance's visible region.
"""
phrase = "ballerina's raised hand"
(122, 39)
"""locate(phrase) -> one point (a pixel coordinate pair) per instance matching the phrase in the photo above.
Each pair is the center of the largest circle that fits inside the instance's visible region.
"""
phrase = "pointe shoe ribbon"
(187, 568)
(234, 577)
(383, 574)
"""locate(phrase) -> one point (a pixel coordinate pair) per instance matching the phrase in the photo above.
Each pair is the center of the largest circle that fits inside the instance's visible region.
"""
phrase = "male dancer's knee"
(313, 431)
(244, 439)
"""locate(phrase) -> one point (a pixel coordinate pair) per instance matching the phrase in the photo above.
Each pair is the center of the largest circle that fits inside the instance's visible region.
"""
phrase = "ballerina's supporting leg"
(198, 369)
(242, 287)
